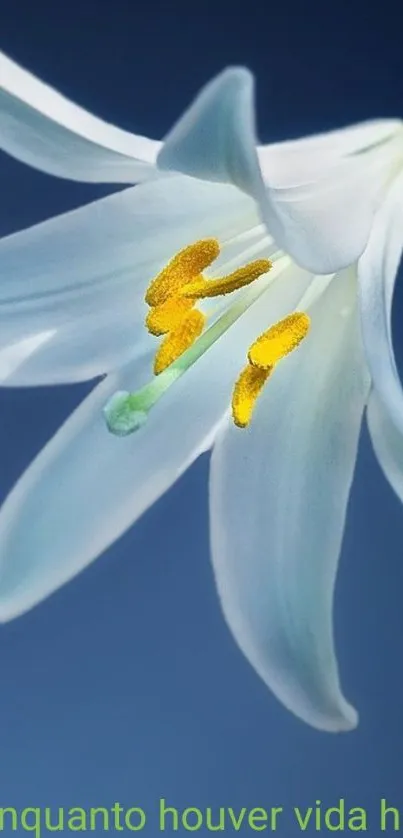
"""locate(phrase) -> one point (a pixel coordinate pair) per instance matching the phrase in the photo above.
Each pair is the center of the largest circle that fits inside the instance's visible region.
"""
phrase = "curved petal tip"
(214, 139)
(340, 716)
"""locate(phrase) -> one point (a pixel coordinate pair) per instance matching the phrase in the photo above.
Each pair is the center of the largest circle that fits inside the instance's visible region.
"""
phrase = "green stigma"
(122, 417)
(125, 413)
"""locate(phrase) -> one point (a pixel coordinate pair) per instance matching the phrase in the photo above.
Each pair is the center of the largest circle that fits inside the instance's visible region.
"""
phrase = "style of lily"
(267, 272)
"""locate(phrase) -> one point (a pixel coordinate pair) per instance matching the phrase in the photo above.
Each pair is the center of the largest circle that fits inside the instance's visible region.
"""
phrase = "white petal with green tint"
(294, 162)
(215, 138)
(87, 486)
(387, 440)
(322, 222)
(278, 499)
(47, 131)
(83, 275)
(377, 272)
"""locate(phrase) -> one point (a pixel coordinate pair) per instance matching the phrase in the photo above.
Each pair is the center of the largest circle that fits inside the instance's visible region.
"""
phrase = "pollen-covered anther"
(186, 265)
(279, 340)
(179, 340)
(167, 316)
(263, 356)
(246, 391)
(201, 287)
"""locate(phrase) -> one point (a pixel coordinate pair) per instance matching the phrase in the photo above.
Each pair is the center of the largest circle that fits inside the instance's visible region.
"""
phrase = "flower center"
(172, 298)
(173, 294)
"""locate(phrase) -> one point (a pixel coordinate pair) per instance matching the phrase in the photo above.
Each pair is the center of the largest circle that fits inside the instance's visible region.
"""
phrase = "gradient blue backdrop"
(126, 684)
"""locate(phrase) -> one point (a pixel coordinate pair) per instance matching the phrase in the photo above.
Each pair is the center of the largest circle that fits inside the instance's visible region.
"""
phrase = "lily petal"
(322, 222)
(47, 131)
(295, 162)
(87, 487)
(387, 440)
(278, 499)
(83, 275)
(215, 138)
(377, 271)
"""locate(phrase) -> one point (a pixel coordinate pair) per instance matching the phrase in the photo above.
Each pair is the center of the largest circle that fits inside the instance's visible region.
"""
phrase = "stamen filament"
(256, 231)
(262, 246)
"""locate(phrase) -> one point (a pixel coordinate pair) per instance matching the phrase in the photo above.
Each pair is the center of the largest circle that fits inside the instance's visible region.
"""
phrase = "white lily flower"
(306, 233)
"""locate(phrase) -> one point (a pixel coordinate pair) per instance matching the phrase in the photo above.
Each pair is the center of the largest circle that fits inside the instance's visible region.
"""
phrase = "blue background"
(126, 685)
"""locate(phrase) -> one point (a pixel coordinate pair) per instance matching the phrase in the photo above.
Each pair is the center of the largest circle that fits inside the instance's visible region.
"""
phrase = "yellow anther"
(179, 340)
(263, 356)
(186, 265)
(168, 315)
(279, 340)
(201, 287)
(246, 391)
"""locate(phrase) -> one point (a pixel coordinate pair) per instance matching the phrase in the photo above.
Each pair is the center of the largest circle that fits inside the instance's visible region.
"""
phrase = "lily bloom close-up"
(236, 298)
